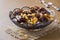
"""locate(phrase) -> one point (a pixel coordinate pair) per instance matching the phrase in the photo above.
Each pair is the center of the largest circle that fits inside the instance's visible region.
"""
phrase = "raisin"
(36, 7)
(23, 20)
(42, 10)
(17, 11)
(33, 10)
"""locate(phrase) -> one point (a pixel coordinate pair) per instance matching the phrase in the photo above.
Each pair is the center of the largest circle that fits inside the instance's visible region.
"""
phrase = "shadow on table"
(53, 36)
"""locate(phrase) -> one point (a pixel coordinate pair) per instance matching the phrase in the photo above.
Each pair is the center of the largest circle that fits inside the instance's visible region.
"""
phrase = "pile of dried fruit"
(31, 15)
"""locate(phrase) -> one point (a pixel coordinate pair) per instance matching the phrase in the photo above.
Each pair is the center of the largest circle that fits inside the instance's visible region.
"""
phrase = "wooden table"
(5, 22)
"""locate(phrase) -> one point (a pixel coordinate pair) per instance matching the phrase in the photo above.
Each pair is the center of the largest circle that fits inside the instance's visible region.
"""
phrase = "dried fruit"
(26, 36)
(36, 7)
(23, 20)
(21, 31)
(51, 18)
(26, 17)
(33, 10)
(16, 11)
(45, 15)
(31, 15)
(34, 20)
